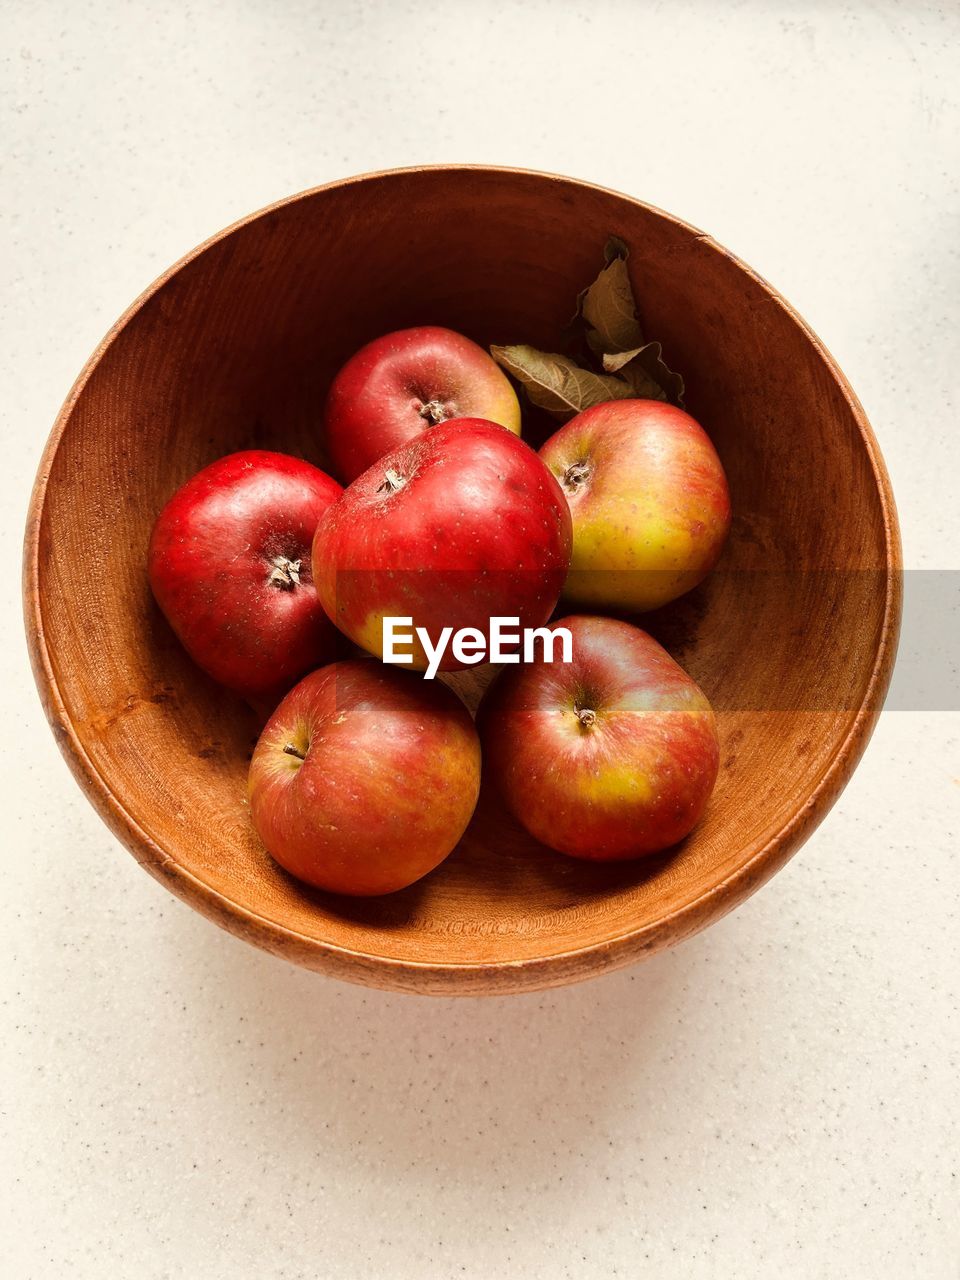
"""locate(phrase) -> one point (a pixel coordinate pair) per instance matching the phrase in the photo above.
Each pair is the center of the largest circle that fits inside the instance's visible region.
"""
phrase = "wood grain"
(794, 636)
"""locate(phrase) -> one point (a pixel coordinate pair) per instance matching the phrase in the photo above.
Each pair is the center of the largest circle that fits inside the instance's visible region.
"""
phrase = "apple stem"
(434, 411)
(575, 475)
(285, 573)
(392, 481)
(586, 716)
(291, 750)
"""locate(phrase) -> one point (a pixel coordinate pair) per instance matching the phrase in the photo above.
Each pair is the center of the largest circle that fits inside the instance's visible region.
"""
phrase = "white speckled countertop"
(778, 1096)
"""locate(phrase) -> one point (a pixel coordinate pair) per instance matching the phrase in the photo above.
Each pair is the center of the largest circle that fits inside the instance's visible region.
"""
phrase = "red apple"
(364, 778)
(612, 755)
(229, 564)
(462, 524)
(402, 384)
(649, 500)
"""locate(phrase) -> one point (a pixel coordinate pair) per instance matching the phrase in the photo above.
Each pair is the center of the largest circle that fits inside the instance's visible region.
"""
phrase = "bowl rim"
(494, 977)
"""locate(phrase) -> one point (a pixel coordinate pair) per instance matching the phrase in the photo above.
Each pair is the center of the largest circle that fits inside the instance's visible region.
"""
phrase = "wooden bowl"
(793, 637)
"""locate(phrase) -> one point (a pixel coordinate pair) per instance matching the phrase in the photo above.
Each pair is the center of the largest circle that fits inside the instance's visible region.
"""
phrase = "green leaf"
(555, 383)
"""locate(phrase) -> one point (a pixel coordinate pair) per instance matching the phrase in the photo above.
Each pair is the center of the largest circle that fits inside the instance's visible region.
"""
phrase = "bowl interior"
(235, 350)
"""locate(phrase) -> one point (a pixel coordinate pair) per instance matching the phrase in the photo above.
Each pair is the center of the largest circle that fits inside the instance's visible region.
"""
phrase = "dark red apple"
(404, 383)
(612, 755)
(229, 564)
(364, 778)
(462, 524)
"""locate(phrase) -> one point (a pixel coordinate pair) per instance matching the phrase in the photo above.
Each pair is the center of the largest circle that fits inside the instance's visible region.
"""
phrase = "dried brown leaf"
(555, 383)
(606, 325)
(609, 309)
(615, 360)
(648, 375)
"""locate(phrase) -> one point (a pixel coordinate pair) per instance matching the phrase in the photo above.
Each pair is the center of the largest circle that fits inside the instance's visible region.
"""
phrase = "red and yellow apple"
(364, 778)
(649, 500)
(404, 383)
(229, 565)
(462, 524)
(612, 755)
